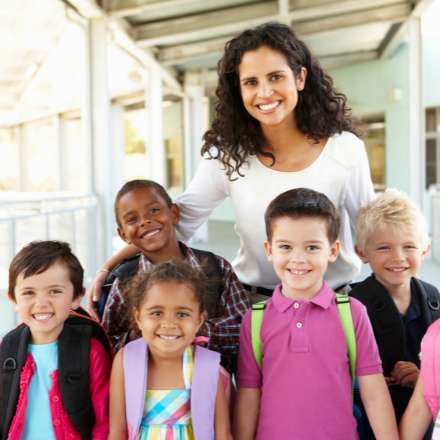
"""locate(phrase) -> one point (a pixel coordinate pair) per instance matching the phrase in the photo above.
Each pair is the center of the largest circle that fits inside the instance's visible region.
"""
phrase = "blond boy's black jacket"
(389, 329)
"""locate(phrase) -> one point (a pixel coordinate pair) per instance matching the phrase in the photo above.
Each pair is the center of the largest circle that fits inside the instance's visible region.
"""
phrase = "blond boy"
(392, 238)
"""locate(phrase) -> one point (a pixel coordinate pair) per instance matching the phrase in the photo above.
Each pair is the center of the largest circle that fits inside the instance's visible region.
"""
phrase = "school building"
(97, 92)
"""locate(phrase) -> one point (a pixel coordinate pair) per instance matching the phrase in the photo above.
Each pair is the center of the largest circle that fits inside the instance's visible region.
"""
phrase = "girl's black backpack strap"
(13, 352)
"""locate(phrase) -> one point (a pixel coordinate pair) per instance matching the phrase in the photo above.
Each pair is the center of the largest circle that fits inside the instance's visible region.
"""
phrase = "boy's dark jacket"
(73, 370)
(385, 318)
(389, 330)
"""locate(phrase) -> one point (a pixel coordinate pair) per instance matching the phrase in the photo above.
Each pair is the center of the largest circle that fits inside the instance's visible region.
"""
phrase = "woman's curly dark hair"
(235, 134)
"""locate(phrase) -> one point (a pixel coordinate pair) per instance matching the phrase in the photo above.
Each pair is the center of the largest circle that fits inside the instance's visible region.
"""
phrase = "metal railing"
(25, 217)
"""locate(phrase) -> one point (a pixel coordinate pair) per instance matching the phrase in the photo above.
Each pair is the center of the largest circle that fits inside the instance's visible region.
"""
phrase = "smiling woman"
(279, 125)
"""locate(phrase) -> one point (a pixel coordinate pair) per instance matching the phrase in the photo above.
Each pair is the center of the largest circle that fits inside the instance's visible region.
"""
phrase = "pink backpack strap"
(430, 369)
(135, 359)
(204, 392)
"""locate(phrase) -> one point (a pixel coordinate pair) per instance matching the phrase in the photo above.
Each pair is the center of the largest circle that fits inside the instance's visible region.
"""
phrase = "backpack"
(129, 268)
(73, 371)
(430, 368)
(203, 388)
(344, 311)
(385, 318)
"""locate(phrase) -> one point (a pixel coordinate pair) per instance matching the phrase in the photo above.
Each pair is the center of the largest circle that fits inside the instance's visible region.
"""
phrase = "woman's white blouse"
(341, 172)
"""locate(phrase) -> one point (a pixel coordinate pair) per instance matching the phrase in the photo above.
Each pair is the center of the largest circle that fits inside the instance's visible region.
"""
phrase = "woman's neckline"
(309, 166)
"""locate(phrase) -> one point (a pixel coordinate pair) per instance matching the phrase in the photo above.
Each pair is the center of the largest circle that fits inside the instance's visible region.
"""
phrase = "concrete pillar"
(283, 11)
(95, 113)
(60, 124)
(405, 115)
(417, 160)
(22, 179)
(156, 153)
(195, 125)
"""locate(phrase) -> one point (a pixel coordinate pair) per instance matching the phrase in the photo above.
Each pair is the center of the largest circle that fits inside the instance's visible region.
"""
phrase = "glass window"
(75, 157)
(40, 156)
(135, 158)
(173, 141)
(431, 162)
(373, 131)
(9, 157)
(431, 124)
(432, 147)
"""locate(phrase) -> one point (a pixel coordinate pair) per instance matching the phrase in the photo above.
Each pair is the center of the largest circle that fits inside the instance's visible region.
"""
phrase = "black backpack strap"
(73, 377)
(385, 319)
(73, 370)
(430, 300)
(80, 317)
(124, 271)
(13, 352)
(210, 264)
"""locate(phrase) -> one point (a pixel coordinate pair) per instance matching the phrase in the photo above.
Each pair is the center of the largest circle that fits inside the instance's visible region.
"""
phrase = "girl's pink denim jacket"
(100, 366)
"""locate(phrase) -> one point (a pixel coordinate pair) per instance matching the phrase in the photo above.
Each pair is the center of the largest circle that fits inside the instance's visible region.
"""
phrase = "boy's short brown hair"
(303, 202)
(38, 256)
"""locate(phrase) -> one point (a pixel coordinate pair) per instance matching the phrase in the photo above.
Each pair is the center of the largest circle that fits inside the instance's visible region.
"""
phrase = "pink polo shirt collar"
(323, 298)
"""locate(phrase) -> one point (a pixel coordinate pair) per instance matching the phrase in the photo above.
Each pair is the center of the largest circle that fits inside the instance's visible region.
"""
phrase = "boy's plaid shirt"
(223, 331)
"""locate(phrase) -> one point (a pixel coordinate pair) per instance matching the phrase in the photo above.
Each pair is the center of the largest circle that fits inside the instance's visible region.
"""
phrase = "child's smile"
(44, 302)
(147, 221)
(169, 318)
(300, 252)
(394, 256)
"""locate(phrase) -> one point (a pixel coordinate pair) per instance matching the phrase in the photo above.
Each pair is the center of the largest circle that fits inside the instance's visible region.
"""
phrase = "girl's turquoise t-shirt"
(38, 425)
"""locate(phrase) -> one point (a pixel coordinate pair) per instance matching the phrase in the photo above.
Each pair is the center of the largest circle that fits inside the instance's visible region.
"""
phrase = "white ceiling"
(42, 55)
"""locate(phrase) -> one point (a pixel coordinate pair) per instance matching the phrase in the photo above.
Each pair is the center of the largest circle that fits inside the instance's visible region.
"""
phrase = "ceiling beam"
(158, 9)
(393, 13)
(182, 53)
(206, 25)
(173, 55)
(232, 20)
(399, 35)
(308, 10)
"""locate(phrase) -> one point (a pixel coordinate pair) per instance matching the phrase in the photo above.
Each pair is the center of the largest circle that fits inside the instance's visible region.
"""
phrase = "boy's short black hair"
(303, 202)
(38, 256)
(140, 183)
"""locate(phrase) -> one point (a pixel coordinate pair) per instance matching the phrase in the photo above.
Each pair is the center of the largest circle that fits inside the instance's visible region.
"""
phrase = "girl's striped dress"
(167, 414)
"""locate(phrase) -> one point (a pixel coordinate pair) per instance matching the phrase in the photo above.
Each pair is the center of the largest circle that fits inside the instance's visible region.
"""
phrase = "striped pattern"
(167, 414)
(436, 431)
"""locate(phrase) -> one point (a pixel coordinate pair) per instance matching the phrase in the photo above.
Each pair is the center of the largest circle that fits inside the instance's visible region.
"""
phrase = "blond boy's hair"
(391, 208)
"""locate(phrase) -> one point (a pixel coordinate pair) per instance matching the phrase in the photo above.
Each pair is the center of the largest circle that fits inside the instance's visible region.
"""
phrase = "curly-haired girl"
(279, 125)
(162, 385)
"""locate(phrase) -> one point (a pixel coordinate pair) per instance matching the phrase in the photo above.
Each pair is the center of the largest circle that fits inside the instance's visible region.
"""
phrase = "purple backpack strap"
(204, 392)
(135, 383)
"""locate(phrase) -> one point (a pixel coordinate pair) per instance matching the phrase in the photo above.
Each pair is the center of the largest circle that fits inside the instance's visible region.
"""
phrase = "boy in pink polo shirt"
(303, 390)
